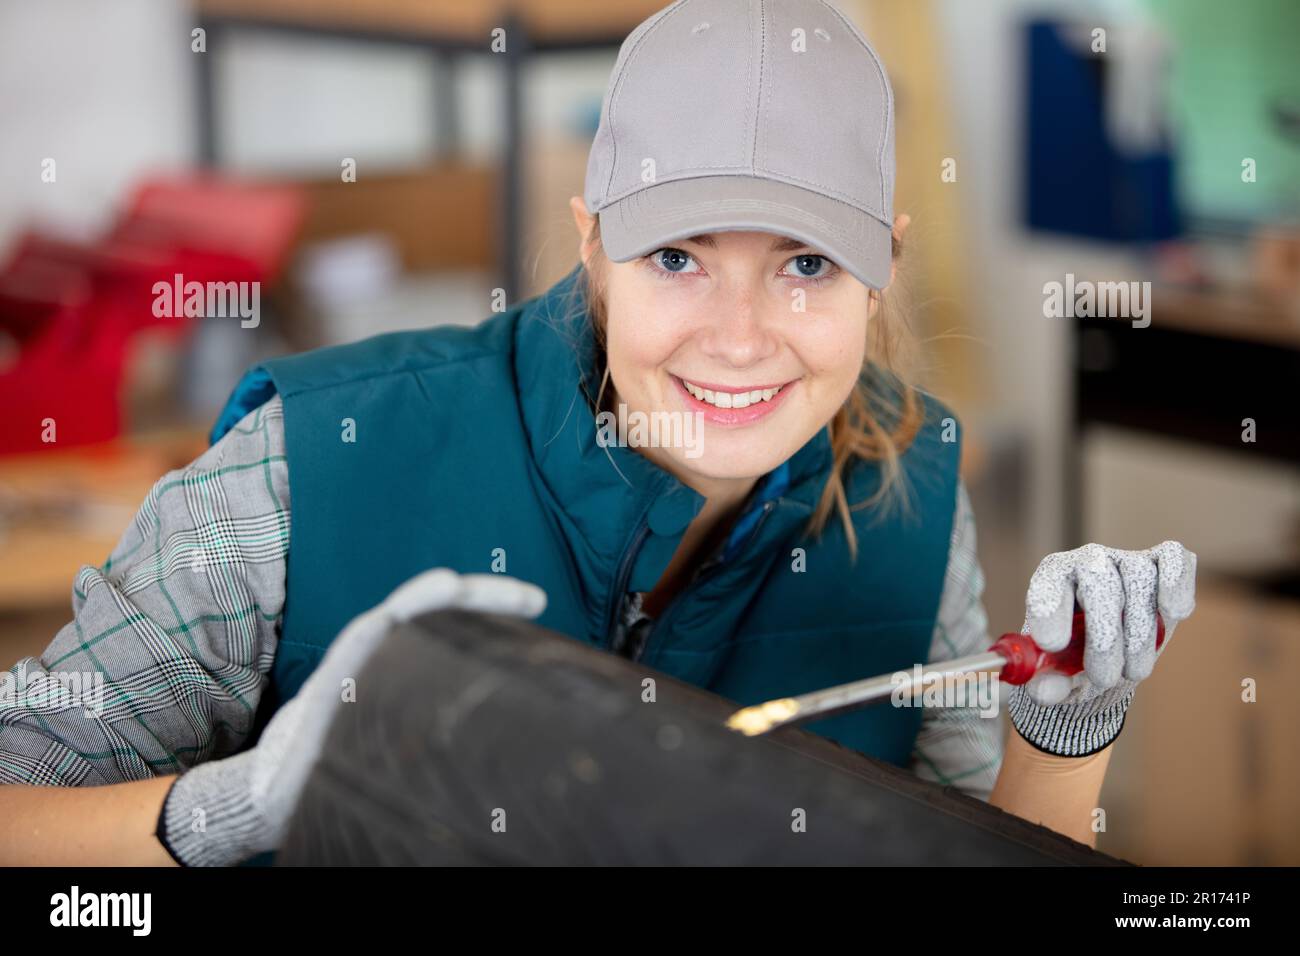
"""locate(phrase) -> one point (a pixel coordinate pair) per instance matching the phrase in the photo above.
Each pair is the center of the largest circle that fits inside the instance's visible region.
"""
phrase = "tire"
(465, 722)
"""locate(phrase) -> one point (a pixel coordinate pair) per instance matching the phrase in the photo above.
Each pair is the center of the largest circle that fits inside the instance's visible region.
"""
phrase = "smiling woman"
(796, 335)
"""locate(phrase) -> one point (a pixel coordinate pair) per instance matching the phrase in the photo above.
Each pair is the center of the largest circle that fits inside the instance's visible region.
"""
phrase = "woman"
(802, 525)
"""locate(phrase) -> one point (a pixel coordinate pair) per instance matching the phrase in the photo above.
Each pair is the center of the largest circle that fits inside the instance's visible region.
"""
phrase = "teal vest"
(475, 445)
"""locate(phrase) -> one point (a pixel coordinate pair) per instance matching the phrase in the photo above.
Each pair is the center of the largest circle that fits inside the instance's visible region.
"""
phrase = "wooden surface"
(1227, 313)
(545, 19)
(443, 216)
(63, 508)
(1199, 776)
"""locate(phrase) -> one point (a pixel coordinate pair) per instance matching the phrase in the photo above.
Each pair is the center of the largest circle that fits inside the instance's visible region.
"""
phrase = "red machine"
(71, 309)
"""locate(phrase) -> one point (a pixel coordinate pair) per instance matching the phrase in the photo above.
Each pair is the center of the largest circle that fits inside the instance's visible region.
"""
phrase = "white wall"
(103, 89)
(302, 103)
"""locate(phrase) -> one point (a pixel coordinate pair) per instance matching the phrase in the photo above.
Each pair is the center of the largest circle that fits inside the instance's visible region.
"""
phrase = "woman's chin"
(717, 463)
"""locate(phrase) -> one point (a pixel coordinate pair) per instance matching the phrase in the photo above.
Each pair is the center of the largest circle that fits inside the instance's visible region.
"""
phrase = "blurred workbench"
(1208, 361)
(64, 508)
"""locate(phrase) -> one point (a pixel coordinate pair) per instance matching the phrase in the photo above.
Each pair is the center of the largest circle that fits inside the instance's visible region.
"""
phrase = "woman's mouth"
(733, 404)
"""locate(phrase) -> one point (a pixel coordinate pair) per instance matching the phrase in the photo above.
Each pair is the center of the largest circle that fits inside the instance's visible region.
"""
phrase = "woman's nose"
(739, 331)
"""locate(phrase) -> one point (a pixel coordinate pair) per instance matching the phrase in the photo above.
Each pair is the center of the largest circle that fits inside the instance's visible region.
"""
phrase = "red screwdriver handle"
(1025, 658)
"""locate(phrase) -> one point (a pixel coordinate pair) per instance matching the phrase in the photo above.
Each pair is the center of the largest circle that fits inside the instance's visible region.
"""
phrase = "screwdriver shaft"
(761, 718)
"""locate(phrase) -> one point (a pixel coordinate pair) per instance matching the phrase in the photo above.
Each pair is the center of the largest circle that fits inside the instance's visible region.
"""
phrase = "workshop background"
(131, 146)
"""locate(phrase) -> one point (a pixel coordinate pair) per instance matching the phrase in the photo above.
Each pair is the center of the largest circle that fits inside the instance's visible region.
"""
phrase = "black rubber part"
(462, 719)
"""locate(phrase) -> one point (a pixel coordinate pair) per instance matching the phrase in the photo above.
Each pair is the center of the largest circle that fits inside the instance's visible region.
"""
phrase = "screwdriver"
(1015, 656)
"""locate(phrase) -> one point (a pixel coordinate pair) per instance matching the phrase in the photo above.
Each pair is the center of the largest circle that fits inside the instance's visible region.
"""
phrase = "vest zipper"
(621, 579)
(707, 570)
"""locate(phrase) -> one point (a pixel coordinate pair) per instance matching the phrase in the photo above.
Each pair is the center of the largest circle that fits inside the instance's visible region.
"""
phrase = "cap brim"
(648, 219)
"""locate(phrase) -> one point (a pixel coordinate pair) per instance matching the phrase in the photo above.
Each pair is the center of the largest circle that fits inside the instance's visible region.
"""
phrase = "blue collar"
(773, 485)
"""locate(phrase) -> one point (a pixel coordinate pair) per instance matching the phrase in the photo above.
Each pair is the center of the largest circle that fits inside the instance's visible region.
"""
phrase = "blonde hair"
(877, 422)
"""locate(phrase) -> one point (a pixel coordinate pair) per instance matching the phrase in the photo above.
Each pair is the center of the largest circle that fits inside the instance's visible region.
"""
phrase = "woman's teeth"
(731, 399)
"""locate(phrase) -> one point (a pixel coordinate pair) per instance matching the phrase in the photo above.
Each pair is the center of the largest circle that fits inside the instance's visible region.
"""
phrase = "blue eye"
(808, 265)
(671, 260)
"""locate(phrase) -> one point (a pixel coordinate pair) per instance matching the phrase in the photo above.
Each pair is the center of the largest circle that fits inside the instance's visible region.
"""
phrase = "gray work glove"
(1119, 593)
(222, 812)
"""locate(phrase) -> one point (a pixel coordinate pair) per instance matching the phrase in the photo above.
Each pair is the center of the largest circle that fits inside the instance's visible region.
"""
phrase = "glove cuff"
(1071, 730)
(208, 817)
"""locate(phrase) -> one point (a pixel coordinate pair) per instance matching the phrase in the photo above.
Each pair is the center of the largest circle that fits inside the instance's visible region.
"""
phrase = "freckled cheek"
(832, 352)
(639, 348)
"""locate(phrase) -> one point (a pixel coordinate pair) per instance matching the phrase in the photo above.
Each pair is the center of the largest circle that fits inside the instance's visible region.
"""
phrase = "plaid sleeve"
(960, 746)
(172, 637)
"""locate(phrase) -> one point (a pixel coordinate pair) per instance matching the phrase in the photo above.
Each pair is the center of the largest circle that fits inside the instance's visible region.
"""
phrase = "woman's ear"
(901, 223)
(584, 221)
(900, 226)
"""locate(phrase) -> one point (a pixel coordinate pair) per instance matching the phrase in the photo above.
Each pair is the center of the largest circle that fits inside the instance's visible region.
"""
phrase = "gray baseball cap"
(772, 115)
